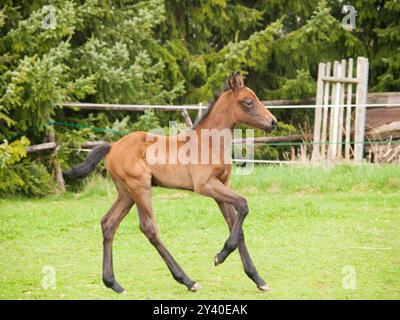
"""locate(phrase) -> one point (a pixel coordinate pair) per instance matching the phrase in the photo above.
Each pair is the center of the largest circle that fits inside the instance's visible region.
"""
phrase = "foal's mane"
(209, 108)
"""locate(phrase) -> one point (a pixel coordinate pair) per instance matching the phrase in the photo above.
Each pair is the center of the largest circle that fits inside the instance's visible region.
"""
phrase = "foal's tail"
(83, 169)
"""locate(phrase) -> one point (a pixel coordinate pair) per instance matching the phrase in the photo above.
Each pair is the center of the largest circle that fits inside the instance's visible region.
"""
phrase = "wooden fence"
(334, 120)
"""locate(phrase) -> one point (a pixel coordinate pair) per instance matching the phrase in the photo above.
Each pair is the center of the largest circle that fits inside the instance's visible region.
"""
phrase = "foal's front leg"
(229, 214)
(221, 193)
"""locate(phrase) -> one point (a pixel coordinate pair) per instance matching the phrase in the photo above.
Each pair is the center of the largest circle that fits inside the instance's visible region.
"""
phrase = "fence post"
(324, 135)
(187, 119)
(336, 107)
(316, 155)
(339, 154)
(331, 150)
(361, 100)
(57, 169)
(200, 111)
(348, 111)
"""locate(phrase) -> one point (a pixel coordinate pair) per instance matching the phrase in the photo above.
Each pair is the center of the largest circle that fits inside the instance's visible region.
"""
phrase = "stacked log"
(383, 133)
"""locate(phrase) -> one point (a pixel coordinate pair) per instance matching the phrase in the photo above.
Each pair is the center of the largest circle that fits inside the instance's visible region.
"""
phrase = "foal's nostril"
(274, 124)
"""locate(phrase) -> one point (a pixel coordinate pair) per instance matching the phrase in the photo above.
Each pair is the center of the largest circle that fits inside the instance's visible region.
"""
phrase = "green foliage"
(234, 56)
(70, 141)
(274, 152)
(18, 175)
(98, 52)
(303, 86)
(36, 180)
(147, 121)
(387, 58)
(11, 153)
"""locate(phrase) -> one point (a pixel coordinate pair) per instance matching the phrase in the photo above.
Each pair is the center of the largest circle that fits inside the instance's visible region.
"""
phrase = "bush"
(18, 175)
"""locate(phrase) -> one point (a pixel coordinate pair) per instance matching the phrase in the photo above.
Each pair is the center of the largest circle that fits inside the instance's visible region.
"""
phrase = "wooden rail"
(257, 140)
(41, 147)
(262, 140)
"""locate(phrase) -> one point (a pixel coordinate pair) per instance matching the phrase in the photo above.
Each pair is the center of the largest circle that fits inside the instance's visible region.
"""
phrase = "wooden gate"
(339, 122)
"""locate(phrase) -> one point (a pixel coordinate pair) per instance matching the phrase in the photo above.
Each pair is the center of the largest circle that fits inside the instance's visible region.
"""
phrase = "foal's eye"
(248, 103)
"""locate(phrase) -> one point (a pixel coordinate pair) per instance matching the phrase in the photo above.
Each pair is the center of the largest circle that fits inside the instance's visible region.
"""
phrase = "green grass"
(305, 225)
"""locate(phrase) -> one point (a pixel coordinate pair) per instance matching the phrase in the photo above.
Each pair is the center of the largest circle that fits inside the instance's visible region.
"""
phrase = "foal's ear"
(239, 79)
(235, 81)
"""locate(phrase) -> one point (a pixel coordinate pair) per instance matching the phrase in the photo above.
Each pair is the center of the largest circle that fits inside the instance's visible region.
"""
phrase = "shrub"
(18, 175)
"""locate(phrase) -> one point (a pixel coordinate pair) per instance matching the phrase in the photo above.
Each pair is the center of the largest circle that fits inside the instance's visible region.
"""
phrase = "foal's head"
(247, 108)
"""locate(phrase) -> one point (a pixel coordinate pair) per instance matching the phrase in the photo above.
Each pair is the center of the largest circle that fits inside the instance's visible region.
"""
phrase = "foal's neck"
(220, 117)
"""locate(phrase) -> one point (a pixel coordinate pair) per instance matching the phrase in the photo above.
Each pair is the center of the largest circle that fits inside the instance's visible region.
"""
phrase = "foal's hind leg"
(229, 214)
(109, 225)
(150, 229)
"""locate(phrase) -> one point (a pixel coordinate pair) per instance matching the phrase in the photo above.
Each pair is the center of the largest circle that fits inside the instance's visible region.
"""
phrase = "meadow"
(312, 232)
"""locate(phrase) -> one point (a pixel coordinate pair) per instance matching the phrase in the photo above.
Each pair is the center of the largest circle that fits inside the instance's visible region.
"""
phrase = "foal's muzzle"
(272, 126)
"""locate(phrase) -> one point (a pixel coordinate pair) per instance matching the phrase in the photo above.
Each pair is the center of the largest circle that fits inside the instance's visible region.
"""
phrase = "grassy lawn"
(306, 226)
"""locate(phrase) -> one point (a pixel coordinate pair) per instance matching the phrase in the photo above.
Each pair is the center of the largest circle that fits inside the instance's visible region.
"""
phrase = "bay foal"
(133, 175)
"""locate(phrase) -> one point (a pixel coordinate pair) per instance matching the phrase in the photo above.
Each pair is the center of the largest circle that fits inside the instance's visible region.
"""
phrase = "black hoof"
(219, 258)
(216, 261)
(264, 287)
(195, 287)
(114, 285)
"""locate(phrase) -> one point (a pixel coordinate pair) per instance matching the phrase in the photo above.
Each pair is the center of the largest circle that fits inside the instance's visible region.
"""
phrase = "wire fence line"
(306, 106)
